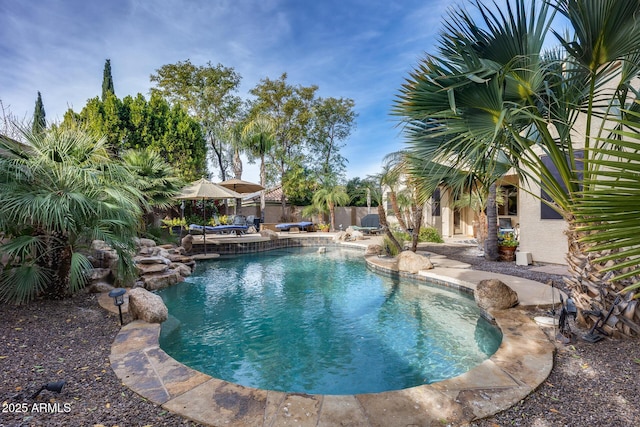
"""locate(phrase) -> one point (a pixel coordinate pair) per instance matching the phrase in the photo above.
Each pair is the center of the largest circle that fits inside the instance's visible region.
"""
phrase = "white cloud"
(359, 49)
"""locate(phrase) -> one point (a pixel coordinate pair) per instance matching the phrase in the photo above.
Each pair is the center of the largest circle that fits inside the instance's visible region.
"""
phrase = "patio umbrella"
(204, 189)
(241, 186)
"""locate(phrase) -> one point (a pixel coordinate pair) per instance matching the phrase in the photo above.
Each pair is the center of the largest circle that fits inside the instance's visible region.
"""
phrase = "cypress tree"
(107, 81)
(39, 121)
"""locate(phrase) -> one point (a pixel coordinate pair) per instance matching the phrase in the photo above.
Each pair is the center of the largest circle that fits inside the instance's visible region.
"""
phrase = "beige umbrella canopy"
(204, 189)
(241, 186)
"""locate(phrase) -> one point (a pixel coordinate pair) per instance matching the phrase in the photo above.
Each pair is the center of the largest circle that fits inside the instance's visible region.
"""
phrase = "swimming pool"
(297, 320)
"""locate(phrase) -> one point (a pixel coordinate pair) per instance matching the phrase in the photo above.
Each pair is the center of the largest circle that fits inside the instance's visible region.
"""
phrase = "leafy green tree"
(107, 81)
(135, 123)
(357, 189)
(208, 93)
(491, 96)
(290, 108)
(58, 192)
(333, 121)
(299, 184)
(39, 117)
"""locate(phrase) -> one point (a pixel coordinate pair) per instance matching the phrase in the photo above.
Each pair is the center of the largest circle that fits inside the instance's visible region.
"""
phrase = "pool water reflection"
(321, 323)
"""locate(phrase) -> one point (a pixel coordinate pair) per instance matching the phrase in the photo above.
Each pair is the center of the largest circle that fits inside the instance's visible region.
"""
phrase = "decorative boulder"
(140, 243)
(374, 250)
(103, 255)
(146, 306)
(493, 294)
(272, 235)
(412, 262)
(341, 236)
(187, 242)
(357, 235)
(161, 280)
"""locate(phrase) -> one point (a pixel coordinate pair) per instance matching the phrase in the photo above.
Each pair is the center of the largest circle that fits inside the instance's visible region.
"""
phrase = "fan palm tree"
(330, 197)
(58, 192)
(156, 180)
(259, 137)
(491, 96)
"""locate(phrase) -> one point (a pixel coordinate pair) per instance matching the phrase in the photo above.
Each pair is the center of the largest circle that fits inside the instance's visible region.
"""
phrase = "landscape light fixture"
(57, 387)
(118, 299)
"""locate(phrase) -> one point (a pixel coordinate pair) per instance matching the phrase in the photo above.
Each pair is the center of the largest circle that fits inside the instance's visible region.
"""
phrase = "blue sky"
(359, 49)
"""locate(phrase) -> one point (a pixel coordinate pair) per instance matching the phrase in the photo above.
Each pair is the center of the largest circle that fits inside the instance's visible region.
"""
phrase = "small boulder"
(374, 250)
(147, 306)
(412, 262)
(357, 235)
(144, 269)
(183, 269)
(493, 294)
(272, 235)
(187, 243)
(341, 236)
(141, 242)
(161, 280)
(99, 287)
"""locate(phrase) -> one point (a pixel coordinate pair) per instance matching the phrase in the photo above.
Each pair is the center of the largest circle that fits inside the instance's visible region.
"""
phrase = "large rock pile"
(158, 266)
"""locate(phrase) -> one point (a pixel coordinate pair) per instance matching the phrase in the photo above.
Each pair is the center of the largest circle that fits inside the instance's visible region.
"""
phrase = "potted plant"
(507, 245)
(323, 227)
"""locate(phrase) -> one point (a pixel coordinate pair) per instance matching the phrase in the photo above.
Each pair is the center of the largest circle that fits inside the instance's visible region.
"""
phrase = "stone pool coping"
(522, 362)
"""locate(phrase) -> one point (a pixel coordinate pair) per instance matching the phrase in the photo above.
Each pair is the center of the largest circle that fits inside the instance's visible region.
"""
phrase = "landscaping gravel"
(47, 341)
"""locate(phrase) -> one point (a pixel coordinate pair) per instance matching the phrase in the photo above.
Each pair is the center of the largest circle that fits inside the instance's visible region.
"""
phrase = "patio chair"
(301, 226)
(369, 224)
(218, 229)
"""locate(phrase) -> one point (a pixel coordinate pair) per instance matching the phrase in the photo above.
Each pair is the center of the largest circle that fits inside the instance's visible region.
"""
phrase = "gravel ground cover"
(46, 341)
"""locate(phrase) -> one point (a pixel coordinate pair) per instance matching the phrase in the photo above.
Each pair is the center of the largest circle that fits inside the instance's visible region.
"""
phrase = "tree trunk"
(491, 244)
(396, 210)
(57, 261)
(385, 226)
(593, 290)
(237, 164)
(417, 224)
(332, 217)
(263, 182)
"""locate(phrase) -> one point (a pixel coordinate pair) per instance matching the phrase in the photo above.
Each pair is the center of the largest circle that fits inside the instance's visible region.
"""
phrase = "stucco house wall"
(543, 238)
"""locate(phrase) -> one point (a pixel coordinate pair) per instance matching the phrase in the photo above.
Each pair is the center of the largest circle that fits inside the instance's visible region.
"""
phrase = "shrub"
(430, 234)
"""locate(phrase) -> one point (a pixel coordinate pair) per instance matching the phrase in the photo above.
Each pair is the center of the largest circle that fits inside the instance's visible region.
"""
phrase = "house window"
(435, 203)
(509, 206)
(546, 212)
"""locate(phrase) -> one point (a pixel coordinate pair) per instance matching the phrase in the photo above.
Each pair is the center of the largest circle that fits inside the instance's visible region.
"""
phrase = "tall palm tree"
(58, 192)
(259, 137)
(491, 96)
(375, 183)
(330, 197)
(392, 178)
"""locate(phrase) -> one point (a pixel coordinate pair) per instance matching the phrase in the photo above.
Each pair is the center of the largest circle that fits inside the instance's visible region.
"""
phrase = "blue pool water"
(322, 323)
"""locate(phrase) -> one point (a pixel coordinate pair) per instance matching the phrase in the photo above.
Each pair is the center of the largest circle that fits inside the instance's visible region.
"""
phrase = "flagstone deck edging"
(522, 362)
